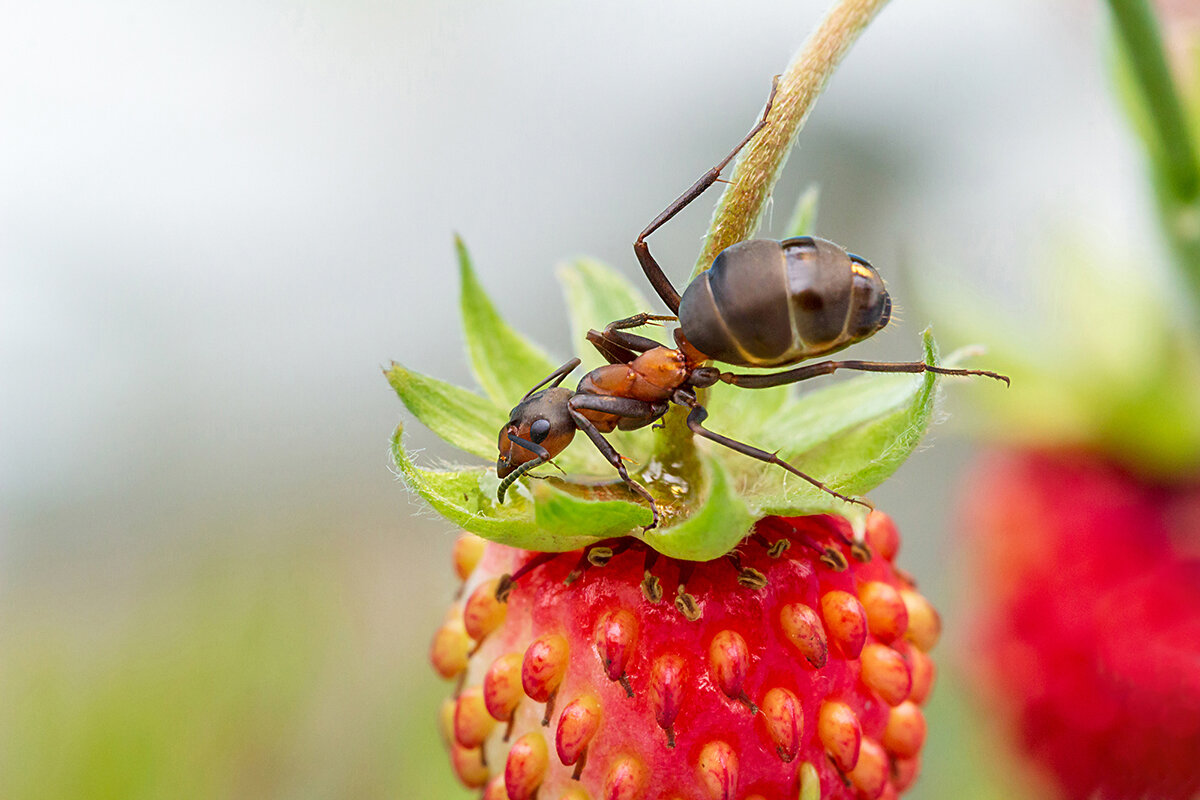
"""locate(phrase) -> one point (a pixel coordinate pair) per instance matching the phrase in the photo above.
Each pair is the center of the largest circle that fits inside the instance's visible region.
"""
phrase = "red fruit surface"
(792, 689)
(1090, 617)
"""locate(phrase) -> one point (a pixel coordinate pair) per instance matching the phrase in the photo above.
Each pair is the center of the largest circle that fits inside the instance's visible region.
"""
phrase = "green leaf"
(804, 215)
(851, 436)
(505, 363)
(721, 521)
(744, 413)
(597, 295)
(462, 418)
(554, 521)
(563, 514)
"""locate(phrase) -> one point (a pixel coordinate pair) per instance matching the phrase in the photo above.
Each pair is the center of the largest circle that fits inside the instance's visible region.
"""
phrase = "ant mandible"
(763, 303)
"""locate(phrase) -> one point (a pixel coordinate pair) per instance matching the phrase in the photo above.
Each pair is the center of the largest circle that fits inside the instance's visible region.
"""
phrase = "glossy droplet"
(717, 771)
(448, 651)
(468, 549)
(882, 536)
(468, 766)
(616, 638)
(544, 666)
(840, 733)
(483, 613)
(845, 621)
(502, 690)
(667, 677)
(803, 628)
(729, 662)
(905, 731)
(923, 673)
(870, 774)
(625, 780)
(577, 726)
(526, 766)
(784, 718)
(886, 672)
(924, 623)
(887, 614)
(472, 722)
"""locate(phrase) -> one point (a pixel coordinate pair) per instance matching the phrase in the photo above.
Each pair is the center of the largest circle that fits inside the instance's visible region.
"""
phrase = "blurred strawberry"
(1091, 626)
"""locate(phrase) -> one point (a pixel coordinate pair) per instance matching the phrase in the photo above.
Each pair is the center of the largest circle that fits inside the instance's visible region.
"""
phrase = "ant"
(763, 303)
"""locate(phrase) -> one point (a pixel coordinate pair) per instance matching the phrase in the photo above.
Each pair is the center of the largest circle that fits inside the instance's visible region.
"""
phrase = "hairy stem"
(741, 207)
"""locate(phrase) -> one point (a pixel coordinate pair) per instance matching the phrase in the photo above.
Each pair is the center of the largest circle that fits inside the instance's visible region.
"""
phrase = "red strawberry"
(1091, 614)
(793, 668)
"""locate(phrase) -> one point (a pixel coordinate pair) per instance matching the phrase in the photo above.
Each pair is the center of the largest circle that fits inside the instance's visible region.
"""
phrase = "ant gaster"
(763, 303)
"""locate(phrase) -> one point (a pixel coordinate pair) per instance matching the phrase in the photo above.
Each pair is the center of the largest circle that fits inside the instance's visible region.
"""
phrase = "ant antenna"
(516, 473)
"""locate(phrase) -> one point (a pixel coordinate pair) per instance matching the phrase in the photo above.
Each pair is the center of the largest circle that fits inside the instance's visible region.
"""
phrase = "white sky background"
(217, 220)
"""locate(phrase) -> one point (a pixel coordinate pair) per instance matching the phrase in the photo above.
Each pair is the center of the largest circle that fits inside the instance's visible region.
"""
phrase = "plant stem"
(741, 207)
(1171, 147)
(1139, 35)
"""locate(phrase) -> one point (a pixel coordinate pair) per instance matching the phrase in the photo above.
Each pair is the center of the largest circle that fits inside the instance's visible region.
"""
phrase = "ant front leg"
(654, 273)
(623, 407)
(699, 413)
(829, 367)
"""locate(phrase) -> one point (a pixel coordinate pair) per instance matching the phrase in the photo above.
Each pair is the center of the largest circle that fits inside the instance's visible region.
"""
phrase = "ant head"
(541, 418)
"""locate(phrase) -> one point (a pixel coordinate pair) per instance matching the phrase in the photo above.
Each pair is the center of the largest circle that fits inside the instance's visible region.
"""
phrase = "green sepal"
(505, 363)
(596, 295)
(563, 514)
(804, 216)
(852, 436)
(462, 418)
(551, 521)
(715, 527)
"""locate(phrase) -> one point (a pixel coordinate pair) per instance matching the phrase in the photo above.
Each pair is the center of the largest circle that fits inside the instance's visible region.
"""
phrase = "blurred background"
(219, 220)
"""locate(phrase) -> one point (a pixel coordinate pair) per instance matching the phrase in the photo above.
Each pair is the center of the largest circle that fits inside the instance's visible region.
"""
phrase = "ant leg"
(631, 408)
(556, 377)
(613, 353)
(637, 321)
(699, 413)
(619, 347)
(654, 273)
(828, 367)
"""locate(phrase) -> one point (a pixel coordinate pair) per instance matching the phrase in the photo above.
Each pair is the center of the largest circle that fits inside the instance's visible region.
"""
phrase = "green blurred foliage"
(231, 673)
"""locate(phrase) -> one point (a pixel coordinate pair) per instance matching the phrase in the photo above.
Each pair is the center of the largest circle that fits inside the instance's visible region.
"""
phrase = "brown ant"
(763, 303)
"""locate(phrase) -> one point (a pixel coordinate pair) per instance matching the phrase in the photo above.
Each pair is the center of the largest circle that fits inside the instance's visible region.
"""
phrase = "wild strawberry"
(1090, 608)
(687, 660)
(794, 667)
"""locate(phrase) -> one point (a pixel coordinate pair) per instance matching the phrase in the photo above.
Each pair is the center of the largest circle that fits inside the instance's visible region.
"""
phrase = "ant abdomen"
(766, 303)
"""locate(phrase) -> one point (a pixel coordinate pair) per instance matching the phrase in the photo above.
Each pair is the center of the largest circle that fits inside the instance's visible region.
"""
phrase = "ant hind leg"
(699, 413)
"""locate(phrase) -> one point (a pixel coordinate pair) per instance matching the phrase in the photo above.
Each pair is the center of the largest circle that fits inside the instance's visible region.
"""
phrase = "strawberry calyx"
(853, 434)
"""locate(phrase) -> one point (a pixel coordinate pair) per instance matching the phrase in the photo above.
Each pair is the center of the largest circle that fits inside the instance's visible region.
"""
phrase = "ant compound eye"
(539, 430)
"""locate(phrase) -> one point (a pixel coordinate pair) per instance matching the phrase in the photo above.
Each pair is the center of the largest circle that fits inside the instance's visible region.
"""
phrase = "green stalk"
(1170, 143)
(740, 209)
